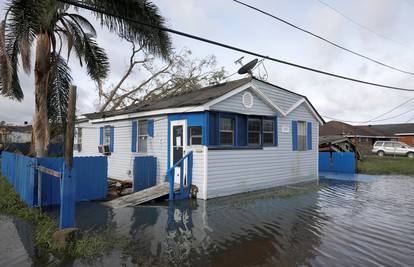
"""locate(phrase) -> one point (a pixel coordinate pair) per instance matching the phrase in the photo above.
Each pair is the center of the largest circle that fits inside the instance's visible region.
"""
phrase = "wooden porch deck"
(142, 196)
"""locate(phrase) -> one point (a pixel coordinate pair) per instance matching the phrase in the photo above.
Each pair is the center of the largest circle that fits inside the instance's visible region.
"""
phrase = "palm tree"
(53, 26)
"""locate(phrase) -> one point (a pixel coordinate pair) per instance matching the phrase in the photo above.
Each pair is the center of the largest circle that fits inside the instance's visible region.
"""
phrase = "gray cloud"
(227, 22)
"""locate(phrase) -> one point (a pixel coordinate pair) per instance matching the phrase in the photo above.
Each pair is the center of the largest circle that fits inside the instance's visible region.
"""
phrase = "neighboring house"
(245, 135)
(367, 135)
(404, 132)
(363, 137)
(15, 134)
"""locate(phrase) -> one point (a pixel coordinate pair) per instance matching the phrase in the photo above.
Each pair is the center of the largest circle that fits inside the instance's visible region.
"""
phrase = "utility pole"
(68, 182)
(70, 127)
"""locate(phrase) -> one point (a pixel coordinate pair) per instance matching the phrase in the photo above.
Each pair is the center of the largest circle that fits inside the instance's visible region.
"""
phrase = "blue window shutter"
(111, 142)
(213, 130)
(276, 133)
(101, 131)
(294, 135)
(241, 130)
(309, 136)
(150, 127)
(134, 136)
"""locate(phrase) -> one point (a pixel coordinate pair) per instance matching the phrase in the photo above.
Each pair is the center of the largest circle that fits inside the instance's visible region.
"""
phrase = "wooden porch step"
(142, 196)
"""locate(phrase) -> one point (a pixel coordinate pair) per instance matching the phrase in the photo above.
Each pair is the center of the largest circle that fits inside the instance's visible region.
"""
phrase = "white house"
(245, 135)
(15, 134)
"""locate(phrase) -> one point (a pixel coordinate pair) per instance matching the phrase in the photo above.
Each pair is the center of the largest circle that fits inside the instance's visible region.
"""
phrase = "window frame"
(106, 135)
(302, 138)
(250, 119)
(143, 136)
(191, 136)
(232, 131)
(269, 132)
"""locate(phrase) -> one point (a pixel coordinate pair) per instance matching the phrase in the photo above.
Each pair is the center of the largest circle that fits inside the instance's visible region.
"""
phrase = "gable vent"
(247, 100)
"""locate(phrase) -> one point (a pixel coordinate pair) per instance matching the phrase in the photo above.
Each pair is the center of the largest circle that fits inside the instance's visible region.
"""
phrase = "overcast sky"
(228, 22)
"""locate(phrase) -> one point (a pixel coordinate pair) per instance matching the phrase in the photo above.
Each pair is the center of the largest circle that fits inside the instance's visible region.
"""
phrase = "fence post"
(171, 173)
(39, 187)
(67, 199)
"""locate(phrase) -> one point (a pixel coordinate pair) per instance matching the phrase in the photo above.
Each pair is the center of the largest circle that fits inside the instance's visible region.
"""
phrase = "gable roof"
(340, 128)
(391, 129)
(202, 96)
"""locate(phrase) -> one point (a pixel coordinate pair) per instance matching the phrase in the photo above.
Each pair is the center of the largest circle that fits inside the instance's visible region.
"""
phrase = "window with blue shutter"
(150, 128)
(294, 135)
(134, 136)
(111, 140)
(101, 135)
(309, 136)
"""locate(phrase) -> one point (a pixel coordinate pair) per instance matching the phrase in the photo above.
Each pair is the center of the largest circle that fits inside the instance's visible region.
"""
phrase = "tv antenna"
(239, 61)
(248, 67)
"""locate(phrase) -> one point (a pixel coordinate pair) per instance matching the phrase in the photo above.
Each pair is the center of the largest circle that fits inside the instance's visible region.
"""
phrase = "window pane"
(195, 140)
(142, 127)
(268, 138)
(195, 135)
(302, 136)
(254, 125)
(107, 135)
(254, 138)
(268, 126)
(142, 144)
(226, 138)
(226, 124)
(195, 130)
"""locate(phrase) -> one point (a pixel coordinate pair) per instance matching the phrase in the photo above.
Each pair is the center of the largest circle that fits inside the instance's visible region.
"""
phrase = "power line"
(323, 39)
(391, 110)
(363, 26)
(236, 48)
(363, 122)
(375, 119)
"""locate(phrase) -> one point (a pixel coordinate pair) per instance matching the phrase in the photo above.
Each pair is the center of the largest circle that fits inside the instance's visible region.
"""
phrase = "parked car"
(382, 148)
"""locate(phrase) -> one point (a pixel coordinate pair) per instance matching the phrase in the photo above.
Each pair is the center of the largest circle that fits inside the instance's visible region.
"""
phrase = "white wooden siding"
(198, 168)
(237, 171)
(278, 96)
(235, 104)
(120, 162)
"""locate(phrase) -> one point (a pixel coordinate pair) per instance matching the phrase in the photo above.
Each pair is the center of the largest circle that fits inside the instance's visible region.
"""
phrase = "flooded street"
(337, 223)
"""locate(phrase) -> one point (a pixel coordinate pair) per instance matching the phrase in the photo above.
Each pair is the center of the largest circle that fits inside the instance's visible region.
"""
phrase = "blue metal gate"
(145, 172)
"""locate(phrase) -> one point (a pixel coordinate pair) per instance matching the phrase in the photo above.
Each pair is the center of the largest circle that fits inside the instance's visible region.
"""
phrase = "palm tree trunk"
(41, 121)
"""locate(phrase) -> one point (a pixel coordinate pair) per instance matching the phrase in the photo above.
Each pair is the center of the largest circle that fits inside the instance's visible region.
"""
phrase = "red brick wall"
(409, 140)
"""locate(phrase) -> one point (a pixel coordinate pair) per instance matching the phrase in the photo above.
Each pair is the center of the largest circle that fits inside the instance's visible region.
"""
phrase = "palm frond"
(82, 22)
(87, 50)
(96, 59)
(5, 64)
(58, 91)
(154, 41)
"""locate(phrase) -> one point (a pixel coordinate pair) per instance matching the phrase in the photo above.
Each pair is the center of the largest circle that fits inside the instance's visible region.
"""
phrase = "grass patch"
(90, 246)
(386, 165)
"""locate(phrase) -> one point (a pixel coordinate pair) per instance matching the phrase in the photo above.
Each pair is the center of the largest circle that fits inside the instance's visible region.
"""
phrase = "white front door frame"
(182, 123)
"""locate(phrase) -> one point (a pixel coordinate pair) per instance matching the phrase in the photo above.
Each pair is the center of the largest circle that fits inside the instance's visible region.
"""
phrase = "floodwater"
(337, 223)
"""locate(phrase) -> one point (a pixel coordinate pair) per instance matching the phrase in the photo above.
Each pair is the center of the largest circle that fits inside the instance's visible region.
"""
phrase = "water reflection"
(244, 230)
(348, 223)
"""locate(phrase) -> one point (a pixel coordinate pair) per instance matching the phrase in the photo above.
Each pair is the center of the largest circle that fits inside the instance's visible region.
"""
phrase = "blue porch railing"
(184, 191)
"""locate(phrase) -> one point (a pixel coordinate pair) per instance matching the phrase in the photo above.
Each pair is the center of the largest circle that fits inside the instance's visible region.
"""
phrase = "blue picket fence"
(145, 172)
(90, 174)
(342, 162)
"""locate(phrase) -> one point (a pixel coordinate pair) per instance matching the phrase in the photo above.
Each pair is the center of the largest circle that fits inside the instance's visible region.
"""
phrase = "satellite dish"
(248, 67)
